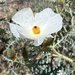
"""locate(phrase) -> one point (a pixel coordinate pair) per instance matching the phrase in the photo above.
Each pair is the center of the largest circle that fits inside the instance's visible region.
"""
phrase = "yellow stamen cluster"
(36, 30)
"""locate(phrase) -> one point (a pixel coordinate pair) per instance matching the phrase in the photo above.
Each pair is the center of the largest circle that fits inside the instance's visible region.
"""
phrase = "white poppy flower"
(37, 27)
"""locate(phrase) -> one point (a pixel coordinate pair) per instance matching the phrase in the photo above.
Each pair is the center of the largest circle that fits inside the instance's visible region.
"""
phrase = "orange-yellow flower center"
(36, 30)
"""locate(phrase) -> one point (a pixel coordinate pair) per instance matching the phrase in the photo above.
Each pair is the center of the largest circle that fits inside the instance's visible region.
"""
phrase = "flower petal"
(49, 36)
(23, 16)
(38, 41)
(25, 32)
(53, 25)
(14, 30)
(42, 17)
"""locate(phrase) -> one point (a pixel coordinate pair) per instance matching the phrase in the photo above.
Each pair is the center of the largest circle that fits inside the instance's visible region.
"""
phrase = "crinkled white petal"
(23, 16)
(25, 32)
(53, 25)
(38, 41)
(14, 30)
(42, 17)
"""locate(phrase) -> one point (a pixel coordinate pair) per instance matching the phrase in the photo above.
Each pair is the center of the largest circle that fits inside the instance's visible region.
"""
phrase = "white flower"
(37, 27)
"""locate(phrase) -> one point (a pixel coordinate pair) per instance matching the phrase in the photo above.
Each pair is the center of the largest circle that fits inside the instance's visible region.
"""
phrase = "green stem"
(64, 57)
